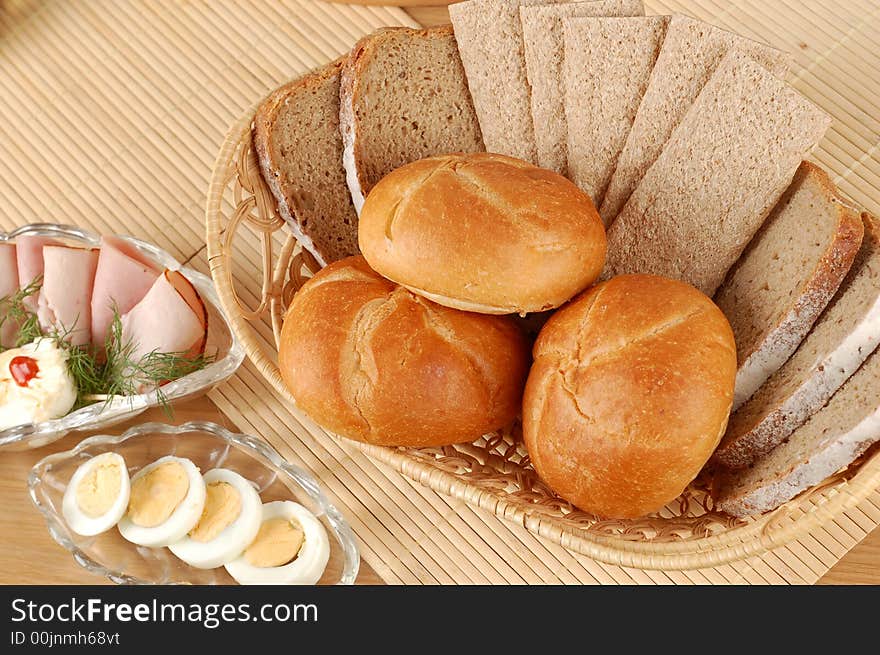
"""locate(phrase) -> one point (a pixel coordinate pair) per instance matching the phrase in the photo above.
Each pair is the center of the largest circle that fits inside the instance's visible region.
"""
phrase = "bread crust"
(629, 394)
(830, 270)
(746, 442)
(533, 238)
(371, 361)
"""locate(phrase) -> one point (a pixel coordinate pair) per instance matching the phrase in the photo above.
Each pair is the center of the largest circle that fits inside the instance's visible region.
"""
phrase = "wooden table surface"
(28, 555)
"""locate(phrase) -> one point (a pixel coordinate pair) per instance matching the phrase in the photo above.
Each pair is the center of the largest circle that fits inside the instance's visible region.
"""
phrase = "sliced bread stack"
(544, 50)
(608, 62)
(716, 180)
(786, 277)
(831, 439)
(690, 54)
(847, 332)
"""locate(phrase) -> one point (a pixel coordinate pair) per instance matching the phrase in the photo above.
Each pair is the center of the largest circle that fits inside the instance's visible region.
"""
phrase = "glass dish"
(209, 446)
(222, 342)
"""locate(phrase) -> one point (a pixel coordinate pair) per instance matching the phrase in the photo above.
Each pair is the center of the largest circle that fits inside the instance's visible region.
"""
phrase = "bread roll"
(483, 233)
(371, 361)
(629, 394)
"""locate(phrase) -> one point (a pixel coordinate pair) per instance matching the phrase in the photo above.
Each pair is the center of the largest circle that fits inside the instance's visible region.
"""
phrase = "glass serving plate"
(222, 343)
(209, 446)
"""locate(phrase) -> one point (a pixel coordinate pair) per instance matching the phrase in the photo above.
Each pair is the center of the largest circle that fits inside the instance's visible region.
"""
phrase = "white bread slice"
(403, 97)
(489, 36)
(608, 62)
(787, 275)
(830, 440)
(847, 332)
(720, 174)
(690, 54)
(297, 141)
(544, 51)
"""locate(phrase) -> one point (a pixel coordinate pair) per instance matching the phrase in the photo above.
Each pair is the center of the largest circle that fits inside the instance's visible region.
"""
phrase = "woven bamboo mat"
(111, 113)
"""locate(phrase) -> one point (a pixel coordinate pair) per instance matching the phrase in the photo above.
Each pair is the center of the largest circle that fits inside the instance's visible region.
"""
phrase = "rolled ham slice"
(65, 300)
(170, 318)
(123, 278)
(29, 255)
(8, 287)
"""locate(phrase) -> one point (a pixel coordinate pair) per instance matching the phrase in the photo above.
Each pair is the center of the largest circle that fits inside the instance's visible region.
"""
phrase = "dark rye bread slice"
(830, 440)
(403, 97)
(296, 137)
(787, 275)
(690, 54)
(846, 333)
(722, 171)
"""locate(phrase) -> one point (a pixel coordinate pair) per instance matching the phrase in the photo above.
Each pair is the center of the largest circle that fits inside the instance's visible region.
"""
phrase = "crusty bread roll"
(483, 233)
(629, 394)
(371, 361)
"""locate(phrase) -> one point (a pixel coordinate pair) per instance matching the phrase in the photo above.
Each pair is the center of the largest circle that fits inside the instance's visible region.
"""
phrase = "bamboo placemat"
(111, 113)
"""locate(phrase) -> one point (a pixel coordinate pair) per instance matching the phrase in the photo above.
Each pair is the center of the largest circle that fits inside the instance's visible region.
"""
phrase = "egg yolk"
(156, 494)
(222, 507)
(276, 544)
(99, 489)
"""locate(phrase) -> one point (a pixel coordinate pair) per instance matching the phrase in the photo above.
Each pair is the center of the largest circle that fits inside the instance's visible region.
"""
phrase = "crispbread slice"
(296, 137)
(690, 54)
(490, 41)
(544, 50)
(608, 62)
(831, 439)
(723, 169)
(787, 275)
(403, 97)
(847, 332)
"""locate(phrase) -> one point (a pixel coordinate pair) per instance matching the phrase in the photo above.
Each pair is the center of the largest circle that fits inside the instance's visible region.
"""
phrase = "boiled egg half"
(228, 524)
(97, 495)
(166, 501)
(291, 547)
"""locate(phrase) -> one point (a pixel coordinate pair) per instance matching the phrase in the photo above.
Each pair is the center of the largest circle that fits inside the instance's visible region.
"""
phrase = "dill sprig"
(14, 310)
(107, 373)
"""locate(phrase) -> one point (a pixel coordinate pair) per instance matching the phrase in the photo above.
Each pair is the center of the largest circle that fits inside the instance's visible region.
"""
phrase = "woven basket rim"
(765, 533)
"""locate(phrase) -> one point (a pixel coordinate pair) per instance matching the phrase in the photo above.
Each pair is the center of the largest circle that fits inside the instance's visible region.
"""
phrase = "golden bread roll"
(484, 233)
(629, 394)
(371, 361)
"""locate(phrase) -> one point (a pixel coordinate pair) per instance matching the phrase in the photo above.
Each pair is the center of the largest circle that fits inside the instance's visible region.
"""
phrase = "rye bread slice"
(722, 171)
(846, 333)
(787, 275)
(830, 440)
(544, 50)
(403, 97)
(691, 52)
(489, 36)
(297, 141)
(608, 62)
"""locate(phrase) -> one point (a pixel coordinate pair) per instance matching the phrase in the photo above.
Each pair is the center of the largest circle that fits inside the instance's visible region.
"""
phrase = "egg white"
(77, 520)
(309, 564)
(235, 537)
(184, 518)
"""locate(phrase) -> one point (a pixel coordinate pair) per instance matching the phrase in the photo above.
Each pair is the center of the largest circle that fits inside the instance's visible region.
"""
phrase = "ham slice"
(123, 278)
(170, 318)
(65, 298)
(29, 255)
(8, 287)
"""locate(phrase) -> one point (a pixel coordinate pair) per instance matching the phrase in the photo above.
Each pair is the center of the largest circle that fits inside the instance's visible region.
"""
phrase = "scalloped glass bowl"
(209, 446)
(222, 342)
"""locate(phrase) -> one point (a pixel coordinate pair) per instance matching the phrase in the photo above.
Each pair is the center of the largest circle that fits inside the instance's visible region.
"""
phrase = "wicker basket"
(494, 472)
